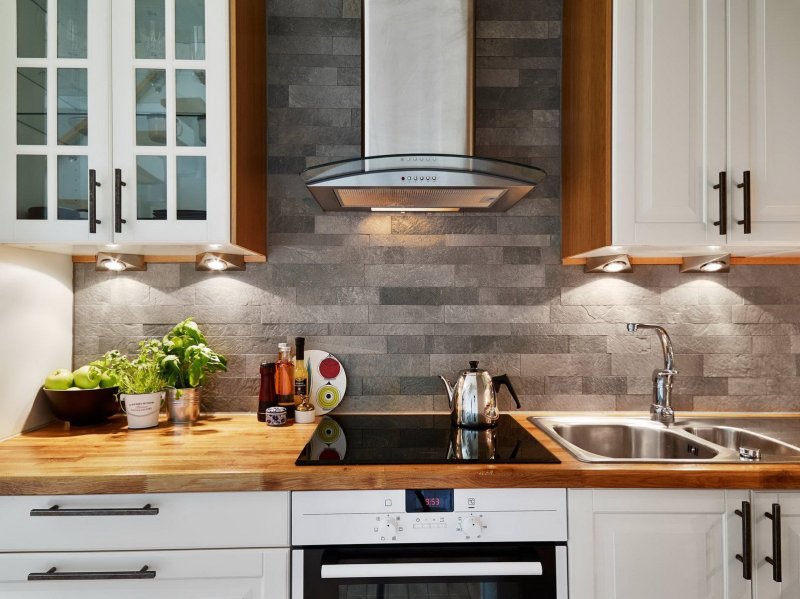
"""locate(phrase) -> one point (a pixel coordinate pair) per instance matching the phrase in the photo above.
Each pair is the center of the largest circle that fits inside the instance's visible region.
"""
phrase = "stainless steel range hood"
(418, 120)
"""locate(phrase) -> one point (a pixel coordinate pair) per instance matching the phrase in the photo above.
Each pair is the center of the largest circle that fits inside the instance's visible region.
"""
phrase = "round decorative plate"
(327, 380)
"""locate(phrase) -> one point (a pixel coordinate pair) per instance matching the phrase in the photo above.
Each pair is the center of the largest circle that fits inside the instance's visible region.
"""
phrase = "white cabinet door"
(764, 118)
(55, 121)
(171, 120)
(764, 573)
(659, 544)
(226, 574)
(669, 126)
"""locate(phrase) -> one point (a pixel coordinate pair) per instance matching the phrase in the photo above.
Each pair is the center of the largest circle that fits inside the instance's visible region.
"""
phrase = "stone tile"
(386, 403)
(312, 26)
(297, 44)
(780, 385)
(712, 345)
(337, 295)
(628, 344)
(406, 314)
(505, 275)
(511, 29)
(588, 344)
(450, 365)
(643, 365)
(379, 329)
(407, 240)
(371, 224)
(604, 385)
(304, 8)
(350, 344)
(488, 343)
(750, 365)
(321, 314)
(604, 292)
(366, 365)
(772, 345)
(566, 364)
(563, 385)
(497, 77)
(324, 96)
(349, 46)
(433, 296)
(381, 385)
(410, 275)
(746, 403)
(525, 241)
(570, 403)
(306, 275)
(472, 329)
(407, 344)
(517, 296)
(522, 255)
(491, 314)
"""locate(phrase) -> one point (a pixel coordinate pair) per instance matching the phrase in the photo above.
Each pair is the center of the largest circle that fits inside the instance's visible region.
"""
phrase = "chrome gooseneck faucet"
(661, 408)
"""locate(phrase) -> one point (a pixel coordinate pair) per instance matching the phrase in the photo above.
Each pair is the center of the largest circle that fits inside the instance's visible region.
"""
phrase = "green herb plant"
(187, 358)
(138, 376)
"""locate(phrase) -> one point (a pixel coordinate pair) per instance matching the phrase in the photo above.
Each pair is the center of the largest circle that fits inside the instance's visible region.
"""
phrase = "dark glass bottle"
(266, 394)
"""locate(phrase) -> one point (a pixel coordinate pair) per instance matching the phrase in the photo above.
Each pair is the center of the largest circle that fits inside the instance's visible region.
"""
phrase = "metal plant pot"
(183, 405)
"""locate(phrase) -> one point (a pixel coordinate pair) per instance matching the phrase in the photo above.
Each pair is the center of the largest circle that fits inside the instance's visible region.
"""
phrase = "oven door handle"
(431, 569)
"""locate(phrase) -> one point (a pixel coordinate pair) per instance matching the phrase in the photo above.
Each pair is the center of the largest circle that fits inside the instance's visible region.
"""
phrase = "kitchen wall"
(36, 320)
(402, 298)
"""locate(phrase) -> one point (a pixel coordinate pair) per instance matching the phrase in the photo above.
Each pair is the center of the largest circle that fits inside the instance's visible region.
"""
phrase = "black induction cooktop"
(350, 439)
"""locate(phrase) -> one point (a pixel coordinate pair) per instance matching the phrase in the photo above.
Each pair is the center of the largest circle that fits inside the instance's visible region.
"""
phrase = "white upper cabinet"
(134, 95)
(764, 83)
(705, 122)
(55, 118)
(668, 120)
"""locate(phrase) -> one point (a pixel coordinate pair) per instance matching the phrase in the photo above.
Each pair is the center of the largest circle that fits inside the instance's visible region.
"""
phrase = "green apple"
(59, 380)
(108, 380)
(87, 377)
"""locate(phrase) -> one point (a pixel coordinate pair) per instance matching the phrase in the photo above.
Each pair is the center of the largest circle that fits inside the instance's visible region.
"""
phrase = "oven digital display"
(429, 500)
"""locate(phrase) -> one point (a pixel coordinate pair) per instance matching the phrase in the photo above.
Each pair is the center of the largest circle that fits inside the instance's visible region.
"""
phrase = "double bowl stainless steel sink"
(697, 440)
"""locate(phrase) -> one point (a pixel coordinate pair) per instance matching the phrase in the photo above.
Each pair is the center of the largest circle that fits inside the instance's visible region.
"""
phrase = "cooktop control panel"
(428, 516)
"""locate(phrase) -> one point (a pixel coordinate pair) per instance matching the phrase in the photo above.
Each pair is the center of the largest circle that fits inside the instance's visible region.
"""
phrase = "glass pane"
(73, 108)
(190, 107)
(32, 187)
(31, 106)
(72, 26)
(73, 187)
(151, 187)
(150, 29)
(191, 171)
(151, 111)
(190, 29)
(31, 28)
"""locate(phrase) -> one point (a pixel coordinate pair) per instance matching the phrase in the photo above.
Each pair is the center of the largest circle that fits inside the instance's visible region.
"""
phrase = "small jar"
(275, 416)
(304, 413)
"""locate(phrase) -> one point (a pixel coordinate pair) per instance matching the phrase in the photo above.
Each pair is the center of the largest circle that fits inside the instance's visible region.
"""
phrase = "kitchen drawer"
(202, 574)
(120, 522)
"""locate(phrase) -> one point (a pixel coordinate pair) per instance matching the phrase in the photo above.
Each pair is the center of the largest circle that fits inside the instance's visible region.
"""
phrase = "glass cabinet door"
(55, 136)
(171, 120)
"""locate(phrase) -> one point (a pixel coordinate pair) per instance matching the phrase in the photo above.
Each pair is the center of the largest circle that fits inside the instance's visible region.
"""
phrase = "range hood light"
(119, 262)
(401, 210)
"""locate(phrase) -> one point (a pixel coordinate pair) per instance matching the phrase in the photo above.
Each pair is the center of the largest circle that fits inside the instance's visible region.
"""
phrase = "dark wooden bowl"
(84, 406)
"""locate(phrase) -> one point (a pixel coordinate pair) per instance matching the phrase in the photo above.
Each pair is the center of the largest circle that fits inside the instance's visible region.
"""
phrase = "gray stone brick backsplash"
(402, 298)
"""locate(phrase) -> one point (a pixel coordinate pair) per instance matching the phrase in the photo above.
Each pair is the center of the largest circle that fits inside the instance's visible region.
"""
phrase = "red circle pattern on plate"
(329, 454)
(330, 368)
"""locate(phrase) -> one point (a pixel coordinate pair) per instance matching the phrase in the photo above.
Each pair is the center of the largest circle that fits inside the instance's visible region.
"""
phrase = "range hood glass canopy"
(418, 110)
(428, 182)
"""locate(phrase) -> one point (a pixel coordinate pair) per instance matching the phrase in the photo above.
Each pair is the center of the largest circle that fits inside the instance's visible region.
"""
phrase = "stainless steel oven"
(430, 543)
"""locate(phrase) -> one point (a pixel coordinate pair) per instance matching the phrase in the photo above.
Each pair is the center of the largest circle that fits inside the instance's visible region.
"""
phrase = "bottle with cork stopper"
(284, 380)
(303, 411)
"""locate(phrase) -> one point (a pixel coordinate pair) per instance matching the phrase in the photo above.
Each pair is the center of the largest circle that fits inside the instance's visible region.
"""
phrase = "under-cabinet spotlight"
(119, 262)
(714, 263)
(618, 263)
(215, 261)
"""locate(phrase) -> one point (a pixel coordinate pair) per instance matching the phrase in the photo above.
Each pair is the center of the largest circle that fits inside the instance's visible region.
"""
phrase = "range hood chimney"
(418, 84)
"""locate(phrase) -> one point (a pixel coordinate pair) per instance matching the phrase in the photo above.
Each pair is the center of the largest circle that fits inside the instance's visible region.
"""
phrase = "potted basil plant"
(141, 385)
(186, 363)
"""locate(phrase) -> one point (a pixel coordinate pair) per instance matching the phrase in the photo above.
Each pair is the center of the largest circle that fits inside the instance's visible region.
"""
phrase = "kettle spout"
(450, 391)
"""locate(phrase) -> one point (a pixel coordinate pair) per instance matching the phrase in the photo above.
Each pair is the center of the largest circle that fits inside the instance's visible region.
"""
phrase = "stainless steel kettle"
(473, 399)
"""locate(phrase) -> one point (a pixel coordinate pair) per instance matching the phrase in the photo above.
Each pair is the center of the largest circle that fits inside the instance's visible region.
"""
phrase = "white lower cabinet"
(204, 574)
(782, 538)
(171, 546)
(658, 544)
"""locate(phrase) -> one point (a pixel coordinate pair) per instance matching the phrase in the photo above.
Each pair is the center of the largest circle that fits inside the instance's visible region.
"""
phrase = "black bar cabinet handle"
(118, 185)
(746, 185)
(147, 510)
(93, 185)
(722, 223)
(52, 574)
(746, 556)
(775, 560)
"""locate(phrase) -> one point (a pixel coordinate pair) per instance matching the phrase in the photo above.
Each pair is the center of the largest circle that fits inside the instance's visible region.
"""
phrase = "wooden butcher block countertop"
(235, 452)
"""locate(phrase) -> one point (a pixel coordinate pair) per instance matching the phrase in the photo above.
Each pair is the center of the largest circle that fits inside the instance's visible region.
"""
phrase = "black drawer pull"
(52, 574)
(93, 185)
(118, 185)
(747, 542)
(775, 560)
(147, 510)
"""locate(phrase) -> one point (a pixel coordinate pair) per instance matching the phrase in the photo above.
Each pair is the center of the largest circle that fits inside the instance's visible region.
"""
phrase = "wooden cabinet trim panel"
(586, 125)
(249, 124)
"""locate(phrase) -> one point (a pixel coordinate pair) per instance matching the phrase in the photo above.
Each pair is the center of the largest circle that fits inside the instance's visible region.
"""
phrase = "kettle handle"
(502, 379)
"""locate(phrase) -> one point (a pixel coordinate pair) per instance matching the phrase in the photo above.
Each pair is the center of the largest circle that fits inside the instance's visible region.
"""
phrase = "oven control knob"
(388, 528)
(472, 527)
